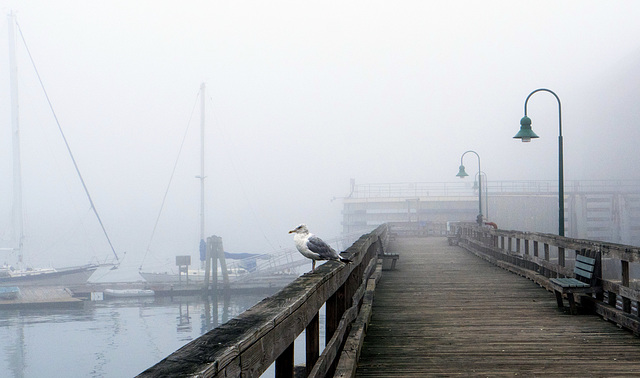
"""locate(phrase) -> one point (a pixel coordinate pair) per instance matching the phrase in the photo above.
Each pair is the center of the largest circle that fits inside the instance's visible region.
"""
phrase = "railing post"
(284, 363)
(612, 299)
(331, 317)
(342, 298)
(626, 302)
(335, 307)
(312, 336)
(546, 252)
(546, 258)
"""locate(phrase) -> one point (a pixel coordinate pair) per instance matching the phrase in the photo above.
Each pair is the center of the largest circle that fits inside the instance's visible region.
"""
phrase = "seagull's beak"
(292, 231)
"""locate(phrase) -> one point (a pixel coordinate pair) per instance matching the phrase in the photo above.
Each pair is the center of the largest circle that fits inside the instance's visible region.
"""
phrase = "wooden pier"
(451, 307)
(446, 312)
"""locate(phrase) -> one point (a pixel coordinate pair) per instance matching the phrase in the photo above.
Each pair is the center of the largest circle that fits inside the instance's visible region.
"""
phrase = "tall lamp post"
(463, 174)
(526, 134)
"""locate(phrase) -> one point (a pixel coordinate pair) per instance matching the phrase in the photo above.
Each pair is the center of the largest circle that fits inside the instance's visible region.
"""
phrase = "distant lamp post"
(463, 174)
(526, 134)
(486, 191)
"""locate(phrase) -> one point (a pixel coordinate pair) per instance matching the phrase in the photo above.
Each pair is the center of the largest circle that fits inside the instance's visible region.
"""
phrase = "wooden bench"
(586, 281)
(389, 260)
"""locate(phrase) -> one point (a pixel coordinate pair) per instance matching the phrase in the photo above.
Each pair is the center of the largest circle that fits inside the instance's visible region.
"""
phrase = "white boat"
(128, 293)
(246, 281)
(20, 273)
(194, 276)
(46, 276)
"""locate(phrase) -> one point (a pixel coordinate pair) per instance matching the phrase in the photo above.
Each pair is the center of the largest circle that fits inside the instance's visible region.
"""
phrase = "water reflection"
(111, 338)
(184, 320)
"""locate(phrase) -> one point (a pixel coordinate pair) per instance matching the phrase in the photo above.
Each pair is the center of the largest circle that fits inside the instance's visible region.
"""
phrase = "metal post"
(560, 159)
(479, 181)
(18, 223)
(201, 177)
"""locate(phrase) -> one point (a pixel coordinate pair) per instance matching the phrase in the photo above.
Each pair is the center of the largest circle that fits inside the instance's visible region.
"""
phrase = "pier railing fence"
(540, 256)
(247, 345)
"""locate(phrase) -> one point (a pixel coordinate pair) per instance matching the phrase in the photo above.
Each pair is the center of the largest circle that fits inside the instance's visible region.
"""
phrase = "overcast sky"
(301, 97)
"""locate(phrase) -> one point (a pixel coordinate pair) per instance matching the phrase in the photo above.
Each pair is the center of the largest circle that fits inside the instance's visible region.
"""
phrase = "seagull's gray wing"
(317, 245)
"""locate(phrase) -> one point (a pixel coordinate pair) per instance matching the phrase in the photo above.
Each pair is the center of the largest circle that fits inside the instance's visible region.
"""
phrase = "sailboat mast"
(15, 131)
(202, 121)
(66, 143)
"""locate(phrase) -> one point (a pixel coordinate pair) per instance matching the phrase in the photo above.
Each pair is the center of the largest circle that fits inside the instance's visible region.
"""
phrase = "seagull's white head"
(301, 229)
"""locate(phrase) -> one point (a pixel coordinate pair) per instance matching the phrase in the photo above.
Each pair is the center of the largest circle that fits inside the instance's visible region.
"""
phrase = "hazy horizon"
(301, 98)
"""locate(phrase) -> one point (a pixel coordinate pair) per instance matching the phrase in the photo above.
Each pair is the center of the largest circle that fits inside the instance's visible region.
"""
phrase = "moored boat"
(46, 276)
(19, 273)
(9, 292)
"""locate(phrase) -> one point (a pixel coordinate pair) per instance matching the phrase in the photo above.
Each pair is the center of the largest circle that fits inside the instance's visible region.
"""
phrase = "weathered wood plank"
(331, 350)
(351, 351)
(373, 270)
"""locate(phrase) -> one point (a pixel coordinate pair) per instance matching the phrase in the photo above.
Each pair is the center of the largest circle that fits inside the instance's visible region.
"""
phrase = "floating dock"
(41, 296)
(59, 296)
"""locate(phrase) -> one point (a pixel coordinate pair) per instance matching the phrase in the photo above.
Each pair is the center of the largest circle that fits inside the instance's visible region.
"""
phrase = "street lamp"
(526, 134)
(463, 174)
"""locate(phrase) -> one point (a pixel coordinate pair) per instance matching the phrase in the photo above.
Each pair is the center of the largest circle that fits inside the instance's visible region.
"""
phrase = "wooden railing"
(541, 256)
(247, 345)
(424, 228)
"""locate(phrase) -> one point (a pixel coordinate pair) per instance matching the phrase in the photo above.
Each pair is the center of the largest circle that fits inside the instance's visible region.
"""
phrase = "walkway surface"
(446, 312)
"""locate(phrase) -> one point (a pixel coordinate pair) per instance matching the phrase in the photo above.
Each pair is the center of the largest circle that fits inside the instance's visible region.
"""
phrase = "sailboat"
(195, 276)
(244, 272)
(20, 274)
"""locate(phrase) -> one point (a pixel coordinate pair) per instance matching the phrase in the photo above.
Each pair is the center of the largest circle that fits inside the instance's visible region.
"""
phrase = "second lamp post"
(463, 174)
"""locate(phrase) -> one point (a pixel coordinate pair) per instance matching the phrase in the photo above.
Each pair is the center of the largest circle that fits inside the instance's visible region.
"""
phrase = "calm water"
(111, 338)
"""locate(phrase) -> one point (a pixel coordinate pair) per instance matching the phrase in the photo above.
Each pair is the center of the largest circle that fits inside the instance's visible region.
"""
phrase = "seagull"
(314, 248)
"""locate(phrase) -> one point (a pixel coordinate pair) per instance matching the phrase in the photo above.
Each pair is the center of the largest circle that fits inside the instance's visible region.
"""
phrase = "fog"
(301, 97)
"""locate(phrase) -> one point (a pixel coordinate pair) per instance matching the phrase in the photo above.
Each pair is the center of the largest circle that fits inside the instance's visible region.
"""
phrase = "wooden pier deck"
(446, 312)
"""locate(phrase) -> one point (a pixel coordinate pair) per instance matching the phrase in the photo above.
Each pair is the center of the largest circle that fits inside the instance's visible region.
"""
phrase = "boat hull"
(243, 282)
(171, 278)
(9, 292)
(128, 293)
(58, 277)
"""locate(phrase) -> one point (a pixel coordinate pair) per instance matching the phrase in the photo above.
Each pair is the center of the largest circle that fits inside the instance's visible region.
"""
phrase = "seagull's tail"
(345, 260)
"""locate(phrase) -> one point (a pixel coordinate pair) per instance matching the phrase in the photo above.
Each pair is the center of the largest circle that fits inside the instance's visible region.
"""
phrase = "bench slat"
(585, 259)
(586, 267)
(569, 282)
(582, 273)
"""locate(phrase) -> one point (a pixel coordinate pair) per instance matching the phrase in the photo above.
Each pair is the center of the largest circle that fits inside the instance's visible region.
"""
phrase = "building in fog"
(598, 210)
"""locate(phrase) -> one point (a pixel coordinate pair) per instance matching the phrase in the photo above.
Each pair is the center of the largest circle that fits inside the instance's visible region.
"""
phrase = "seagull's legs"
(313, 266)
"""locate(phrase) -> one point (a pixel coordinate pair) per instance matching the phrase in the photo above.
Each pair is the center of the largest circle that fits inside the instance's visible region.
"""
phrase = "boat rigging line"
(86, 190)
(223, 133)
(175, 165)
